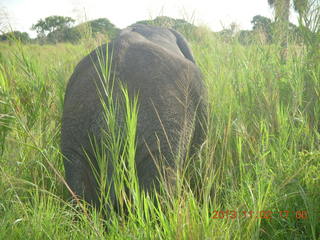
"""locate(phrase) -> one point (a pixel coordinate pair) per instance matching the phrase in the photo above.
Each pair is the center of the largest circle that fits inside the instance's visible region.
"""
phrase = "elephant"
(156, 65)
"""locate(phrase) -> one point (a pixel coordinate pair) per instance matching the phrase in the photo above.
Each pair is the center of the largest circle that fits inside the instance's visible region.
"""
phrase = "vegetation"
(282, 24)
(16, 35)
(180, 25)
(51, 24)
(55, 29)
(100, 28)
(262, 25)
(104, 26)
(256, 177)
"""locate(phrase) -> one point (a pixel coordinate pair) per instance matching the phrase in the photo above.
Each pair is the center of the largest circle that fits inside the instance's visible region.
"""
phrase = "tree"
(309, 14)
(182, 26)
(262, 25)
(229, 34)
(104, 26)
(282, 12)
(309, 26)
(301, 6)
(226, 35)
(15, 35)
(51, 24)
(100, 28)
(282, 25)
(245, 37)
(64, 35)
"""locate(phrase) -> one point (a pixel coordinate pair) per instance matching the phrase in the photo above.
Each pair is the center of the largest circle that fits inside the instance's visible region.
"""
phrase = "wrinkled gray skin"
(157, 64)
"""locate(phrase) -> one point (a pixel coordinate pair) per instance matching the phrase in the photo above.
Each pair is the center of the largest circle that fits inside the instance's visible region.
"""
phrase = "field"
(256, 177)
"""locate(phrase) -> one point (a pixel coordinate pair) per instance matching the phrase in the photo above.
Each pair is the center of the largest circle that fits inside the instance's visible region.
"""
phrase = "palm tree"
(282, 9)
(301, 6)
(282, 12)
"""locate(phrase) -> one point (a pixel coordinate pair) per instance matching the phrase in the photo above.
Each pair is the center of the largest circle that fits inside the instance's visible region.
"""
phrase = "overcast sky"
(215, 14)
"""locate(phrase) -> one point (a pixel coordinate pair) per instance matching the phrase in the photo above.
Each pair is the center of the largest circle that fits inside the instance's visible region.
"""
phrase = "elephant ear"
(183, 45)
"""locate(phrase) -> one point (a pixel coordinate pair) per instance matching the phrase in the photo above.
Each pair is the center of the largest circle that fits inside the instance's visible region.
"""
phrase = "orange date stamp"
(233, 214)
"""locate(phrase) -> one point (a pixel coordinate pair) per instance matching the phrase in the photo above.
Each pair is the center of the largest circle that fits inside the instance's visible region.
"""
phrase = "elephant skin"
(156, 65)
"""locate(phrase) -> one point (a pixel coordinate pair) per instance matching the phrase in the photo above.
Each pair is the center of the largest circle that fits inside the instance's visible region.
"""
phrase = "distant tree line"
(180, 25)
(263, 31)
(55, 29)
(21, 36)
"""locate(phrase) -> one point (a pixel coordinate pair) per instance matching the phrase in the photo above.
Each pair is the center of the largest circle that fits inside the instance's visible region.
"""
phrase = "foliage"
(16, 35)
(263, 25)
(246, 37)
(51, 24)
(309, 20)
(64, 35)
(262, 32)
(104, 26)
(309, 30)
(101, 29)
(301, 6)
(180, 25)
(56, 29)
(283, 29)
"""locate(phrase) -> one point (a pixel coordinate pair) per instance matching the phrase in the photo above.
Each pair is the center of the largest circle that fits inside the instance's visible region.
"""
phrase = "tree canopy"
(51, 24)
(262, 25)
(180, 25)
(55, 29)
(15, 35)
(103, 25)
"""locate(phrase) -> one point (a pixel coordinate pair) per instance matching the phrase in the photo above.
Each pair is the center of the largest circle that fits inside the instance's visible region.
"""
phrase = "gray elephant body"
(157, 65)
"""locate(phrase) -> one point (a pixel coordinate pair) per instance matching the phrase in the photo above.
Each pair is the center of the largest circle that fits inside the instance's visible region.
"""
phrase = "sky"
(21, 14)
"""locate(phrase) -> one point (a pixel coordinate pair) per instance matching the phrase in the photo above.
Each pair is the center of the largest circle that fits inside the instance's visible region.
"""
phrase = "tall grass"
(260, 158)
